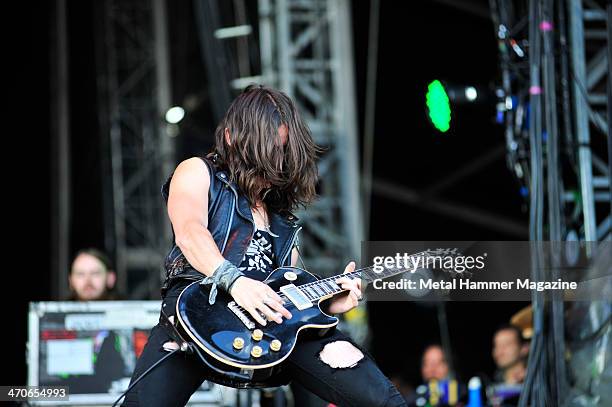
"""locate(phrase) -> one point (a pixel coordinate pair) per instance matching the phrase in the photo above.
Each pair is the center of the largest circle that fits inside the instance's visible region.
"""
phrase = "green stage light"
(438, 106)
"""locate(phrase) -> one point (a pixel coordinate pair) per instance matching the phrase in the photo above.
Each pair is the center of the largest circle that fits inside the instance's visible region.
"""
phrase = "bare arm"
(188, 211)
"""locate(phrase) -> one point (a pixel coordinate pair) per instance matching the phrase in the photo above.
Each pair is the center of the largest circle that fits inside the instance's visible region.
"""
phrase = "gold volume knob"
(256, 351)
(238, 343)
(257, 334)
(275, 345)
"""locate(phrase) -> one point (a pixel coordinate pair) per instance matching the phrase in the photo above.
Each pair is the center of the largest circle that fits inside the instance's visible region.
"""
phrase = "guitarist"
(262, 166)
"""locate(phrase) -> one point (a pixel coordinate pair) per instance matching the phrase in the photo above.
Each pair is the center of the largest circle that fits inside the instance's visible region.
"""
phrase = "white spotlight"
(175, 114)
(470, 93)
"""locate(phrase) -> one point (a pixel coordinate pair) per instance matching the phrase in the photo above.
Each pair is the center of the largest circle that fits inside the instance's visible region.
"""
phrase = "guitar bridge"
(242, 316)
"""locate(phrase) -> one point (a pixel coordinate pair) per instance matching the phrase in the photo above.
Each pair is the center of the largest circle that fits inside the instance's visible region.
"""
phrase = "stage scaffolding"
(138, 153)
(554, 93)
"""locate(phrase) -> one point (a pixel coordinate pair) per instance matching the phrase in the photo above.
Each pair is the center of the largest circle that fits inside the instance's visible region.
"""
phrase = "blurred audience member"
(437, 387)
(92, 277)
(433, 364)
(509, 353)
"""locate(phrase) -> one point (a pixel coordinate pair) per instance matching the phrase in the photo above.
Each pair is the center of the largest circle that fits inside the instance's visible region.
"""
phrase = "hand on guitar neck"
(348, 299)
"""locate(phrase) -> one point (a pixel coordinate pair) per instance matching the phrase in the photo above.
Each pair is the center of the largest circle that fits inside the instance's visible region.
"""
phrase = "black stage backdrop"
(419, 41)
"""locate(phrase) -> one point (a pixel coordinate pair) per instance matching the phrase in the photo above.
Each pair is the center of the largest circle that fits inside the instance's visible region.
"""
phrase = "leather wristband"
(223, 277)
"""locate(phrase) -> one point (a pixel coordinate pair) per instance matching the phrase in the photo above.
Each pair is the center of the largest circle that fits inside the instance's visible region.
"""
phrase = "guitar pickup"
(296, 296)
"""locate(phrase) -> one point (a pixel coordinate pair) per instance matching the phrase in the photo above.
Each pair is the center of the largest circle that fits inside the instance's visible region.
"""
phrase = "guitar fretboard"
(328, 286)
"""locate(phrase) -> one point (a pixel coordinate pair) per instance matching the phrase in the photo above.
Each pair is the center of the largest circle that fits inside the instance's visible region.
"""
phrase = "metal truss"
(134, 89)
(555, 72)
(588, 47)
(306, 51)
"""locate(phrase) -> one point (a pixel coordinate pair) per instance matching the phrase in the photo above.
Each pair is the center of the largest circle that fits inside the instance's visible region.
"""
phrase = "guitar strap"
(297, 247)
(171, 329)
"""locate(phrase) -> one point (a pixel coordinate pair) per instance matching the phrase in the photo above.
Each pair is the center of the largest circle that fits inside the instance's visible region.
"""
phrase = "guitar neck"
(328, 286)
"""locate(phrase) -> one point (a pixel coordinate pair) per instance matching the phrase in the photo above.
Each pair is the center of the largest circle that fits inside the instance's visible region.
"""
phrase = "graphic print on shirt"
(259, 255)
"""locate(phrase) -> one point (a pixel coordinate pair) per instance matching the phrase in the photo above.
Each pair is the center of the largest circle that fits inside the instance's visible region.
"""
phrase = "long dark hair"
(256, 154)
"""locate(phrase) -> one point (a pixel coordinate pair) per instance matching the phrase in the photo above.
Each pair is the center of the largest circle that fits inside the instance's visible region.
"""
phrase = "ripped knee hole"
(340, 354)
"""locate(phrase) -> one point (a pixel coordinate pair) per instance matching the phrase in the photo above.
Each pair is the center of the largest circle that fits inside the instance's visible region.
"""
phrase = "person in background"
(433, 364)
(91, 277)
(435, 371)
(509, 353)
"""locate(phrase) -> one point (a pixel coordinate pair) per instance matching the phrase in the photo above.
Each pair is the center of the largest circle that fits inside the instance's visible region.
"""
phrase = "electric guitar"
(242, 352)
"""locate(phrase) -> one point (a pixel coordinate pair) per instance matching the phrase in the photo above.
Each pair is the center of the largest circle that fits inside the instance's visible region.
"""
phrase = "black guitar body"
(213, 329)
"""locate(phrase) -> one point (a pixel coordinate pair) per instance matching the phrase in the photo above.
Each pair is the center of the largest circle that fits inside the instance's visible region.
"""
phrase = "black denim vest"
(231, 224)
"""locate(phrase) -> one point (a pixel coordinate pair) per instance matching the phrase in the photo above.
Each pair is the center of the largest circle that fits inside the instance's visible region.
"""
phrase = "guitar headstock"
(445, 260)
(440, 252)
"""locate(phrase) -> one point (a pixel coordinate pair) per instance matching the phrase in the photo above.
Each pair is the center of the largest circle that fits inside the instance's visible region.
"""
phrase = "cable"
(565, 85)
(556, 343)
(593, 336)
(533, 379)
(370, 112)
(144, 374)
(609, 21)
(445, 336)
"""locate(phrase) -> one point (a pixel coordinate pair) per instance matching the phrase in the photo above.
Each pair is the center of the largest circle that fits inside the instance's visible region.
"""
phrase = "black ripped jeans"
(173, 382)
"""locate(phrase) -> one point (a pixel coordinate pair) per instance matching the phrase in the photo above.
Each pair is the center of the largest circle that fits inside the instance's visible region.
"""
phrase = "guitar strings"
(284, 297)
(333, 278)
